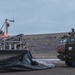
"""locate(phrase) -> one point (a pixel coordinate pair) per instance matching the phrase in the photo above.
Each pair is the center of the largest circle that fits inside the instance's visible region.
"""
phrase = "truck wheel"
(73, 62)
(68, 63)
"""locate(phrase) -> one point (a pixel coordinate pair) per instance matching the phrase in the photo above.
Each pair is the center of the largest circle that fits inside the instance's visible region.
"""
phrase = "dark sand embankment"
(43, 45)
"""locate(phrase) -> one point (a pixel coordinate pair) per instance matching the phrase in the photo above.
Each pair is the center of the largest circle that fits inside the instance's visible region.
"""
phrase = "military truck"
(66, 49)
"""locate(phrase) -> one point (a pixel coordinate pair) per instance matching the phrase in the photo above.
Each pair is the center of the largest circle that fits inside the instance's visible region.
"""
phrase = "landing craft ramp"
(21, 62)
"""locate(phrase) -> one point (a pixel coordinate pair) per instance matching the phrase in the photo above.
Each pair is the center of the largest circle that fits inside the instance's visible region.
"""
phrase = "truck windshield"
(71, 40)
(63, 41)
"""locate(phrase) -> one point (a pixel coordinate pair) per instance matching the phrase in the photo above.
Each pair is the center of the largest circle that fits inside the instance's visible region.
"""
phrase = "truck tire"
(68, 63)
(73, 62)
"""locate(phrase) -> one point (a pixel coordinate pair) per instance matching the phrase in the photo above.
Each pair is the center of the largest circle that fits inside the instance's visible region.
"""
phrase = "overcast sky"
(38, 16)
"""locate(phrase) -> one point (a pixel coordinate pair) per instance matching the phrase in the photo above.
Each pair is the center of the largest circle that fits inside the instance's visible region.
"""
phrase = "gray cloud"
(38, 16)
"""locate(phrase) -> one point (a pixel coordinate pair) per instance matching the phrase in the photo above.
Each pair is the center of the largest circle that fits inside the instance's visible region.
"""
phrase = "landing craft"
(14, 56)
(66, 49)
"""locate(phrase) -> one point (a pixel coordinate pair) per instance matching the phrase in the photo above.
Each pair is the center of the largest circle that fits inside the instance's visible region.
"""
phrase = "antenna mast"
(7, 25)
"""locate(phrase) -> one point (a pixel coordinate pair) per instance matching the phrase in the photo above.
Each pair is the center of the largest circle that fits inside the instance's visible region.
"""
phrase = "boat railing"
(12, 45)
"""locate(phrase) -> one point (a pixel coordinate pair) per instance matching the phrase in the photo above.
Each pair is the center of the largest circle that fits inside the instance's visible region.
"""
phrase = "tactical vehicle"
(66, 49)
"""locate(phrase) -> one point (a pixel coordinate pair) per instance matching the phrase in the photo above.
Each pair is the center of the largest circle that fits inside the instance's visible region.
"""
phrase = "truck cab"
(66, 49)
